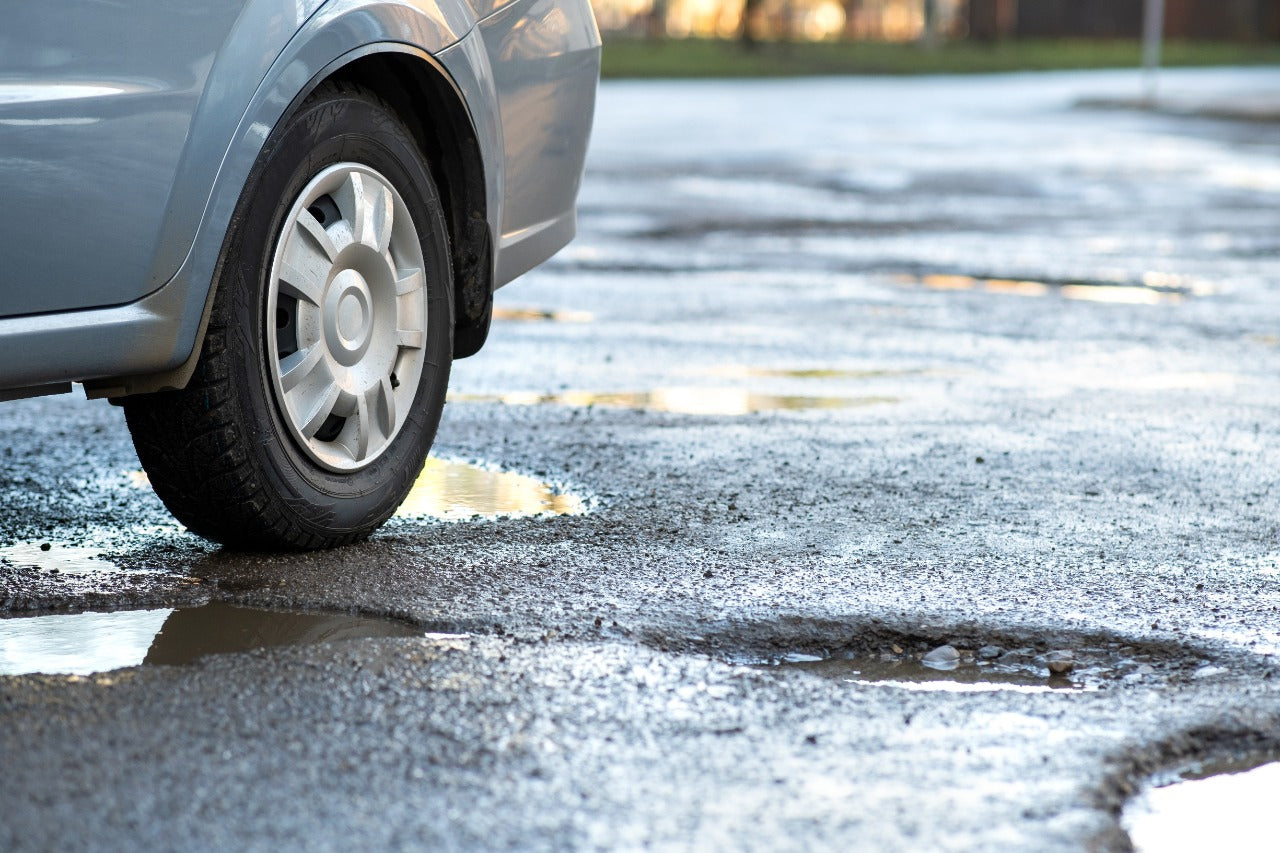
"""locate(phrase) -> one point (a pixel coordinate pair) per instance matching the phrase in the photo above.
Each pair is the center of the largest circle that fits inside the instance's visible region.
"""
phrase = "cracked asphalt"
(914, 361)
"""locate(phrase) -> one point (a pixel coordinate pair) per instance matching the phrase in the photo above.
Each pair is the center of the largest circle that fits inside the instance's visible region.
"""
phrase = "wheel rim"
(346, 317)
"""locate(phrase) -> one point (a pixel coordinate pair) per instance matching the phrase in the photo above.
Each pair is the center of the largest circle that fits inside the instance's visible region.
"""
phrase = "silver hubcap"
(346, 316)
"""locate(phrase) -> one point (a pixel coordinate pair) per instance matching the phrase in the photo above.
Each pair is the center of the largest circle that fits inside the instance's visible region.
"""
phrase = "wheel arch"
(435, 112)
(390, 57)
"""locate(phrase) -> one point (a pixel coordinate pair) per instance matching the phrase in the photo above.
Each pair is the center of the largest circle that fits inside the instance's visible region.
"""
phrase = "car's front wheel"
(324, 368)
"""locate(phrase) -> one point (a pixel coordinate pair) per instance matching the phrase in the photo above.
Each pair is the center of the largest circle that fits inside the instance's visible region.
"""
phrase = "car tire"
(324, 368)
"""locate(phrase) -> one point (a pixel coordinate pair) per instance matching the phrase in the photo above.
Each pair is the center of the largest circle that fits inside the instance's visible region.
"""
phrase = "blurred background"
(779, 37)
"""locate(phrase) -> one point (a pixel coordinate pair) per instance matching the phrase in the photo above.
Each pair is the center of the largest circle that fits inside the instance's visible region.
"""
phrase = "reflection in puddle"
(1214, 807)
(684, 401)
(539, 315)
(1154, 289)
(455, 490)
(85, 643)
(451, 490)
(907, 673)
(63, 559)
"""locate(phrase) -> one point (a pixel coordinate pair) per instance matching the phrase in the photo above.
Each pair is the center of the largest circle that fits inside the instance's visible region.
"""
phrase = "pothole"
(1218, 805)
(684, 401)
(86, 643)
(452, 490)
(965, 660)
(1152, 289)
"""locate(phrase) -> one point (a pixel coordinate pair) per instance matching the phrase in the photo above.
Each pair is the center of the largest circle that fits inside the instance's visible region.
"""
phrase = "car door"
(96, 100)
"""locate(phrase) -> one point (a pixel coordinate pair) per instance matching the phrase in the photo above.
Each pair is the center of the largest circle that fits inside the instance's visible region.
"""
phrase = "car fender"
(338, 33)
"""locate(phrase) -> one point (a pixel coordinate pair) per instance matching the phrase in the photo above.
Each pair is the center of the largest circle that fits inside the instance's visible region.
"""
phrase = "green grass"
(714, 58)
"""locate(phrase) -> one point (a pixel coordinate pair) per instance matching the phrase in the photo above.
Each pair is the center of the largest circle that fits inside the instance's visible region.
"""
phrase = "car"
(267, 227)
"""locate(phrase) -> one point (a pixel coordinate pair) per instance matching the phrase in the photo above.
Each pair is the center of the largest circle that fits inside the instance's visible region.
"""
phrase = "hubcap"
(347, 317)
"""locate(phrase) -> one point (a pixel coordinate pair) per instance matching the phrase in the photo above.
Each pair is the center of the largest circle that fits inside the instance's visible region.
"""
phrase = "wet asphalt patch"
(697, 231)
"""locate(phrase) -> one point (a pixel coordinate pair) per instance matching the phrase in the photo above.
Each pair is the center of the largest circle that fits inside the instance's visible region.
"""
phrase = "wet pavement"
(1054, 335)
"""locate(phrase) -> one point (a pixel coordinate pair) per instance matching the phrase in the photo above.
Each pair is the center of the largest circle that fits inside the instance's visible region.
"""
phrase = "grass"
(640, 58)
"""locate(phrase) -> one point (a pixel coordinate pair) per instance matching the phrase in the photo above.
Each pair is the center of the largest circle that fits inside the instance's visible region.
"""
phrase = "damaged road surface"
(889, 464)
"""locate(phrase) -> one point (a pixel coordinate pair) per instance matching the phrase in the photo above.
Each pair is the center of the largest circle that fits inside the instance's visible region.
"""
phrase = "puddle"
(540, 315)
(454, 490)
(1216, 806)
(59, 559)
(85, 643)
(684, 401)
(906, 672)
(972, 664)
(1153, 289)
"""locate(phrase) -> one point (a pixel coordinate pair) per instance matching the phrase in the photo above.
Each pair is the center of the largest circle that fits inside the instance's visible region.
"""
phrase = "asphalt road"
(877, 365)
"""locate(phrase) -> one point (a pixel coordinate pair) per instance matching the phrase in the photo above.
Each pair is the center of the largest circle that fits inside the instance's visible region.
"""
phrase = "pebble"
(990, 652)
(1017, 655)
(1208, 671)
(1060, 662)
(943, 657)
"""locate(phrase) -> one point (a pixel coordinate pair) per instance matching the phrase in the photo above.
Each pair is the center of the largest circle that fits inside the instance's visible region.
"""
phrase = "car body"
(267, 227)
(128, 130)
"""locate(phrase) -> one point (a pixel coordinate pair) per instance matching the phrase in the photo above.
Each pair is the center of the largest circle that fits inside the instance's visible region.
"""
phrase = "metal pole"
(1152, 33)
(929, 38)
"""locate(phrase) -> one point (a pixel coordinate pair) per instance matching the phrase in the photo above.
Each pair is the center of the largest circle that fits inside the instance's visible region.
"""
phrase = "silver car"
(266, 228)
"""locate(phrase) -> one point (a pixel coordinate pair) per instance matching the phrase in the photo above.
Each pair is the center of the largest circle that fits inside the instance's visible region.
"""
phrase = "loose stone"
(943, 657)
(1017, 656)
(1060, 662)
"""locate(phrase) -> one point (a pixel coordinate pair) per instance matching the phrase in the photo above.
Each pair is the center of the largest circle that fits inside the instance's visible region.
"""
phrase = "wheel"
(325, 365)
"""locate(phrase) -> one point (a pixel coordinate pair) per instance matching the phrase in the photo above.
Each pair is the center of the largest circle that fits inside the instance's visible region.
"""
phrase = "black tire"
(220, 453)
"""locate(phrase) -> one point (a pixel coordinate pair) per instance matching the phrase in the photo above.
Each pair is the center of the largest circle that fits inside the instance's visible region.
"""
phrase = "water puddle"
(684, 401)
(57, 559)
(987, 668)
(1153, 289)
(452, 490)
(540, 315)
(1215, 806)
(85, 643)
(903, 672)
